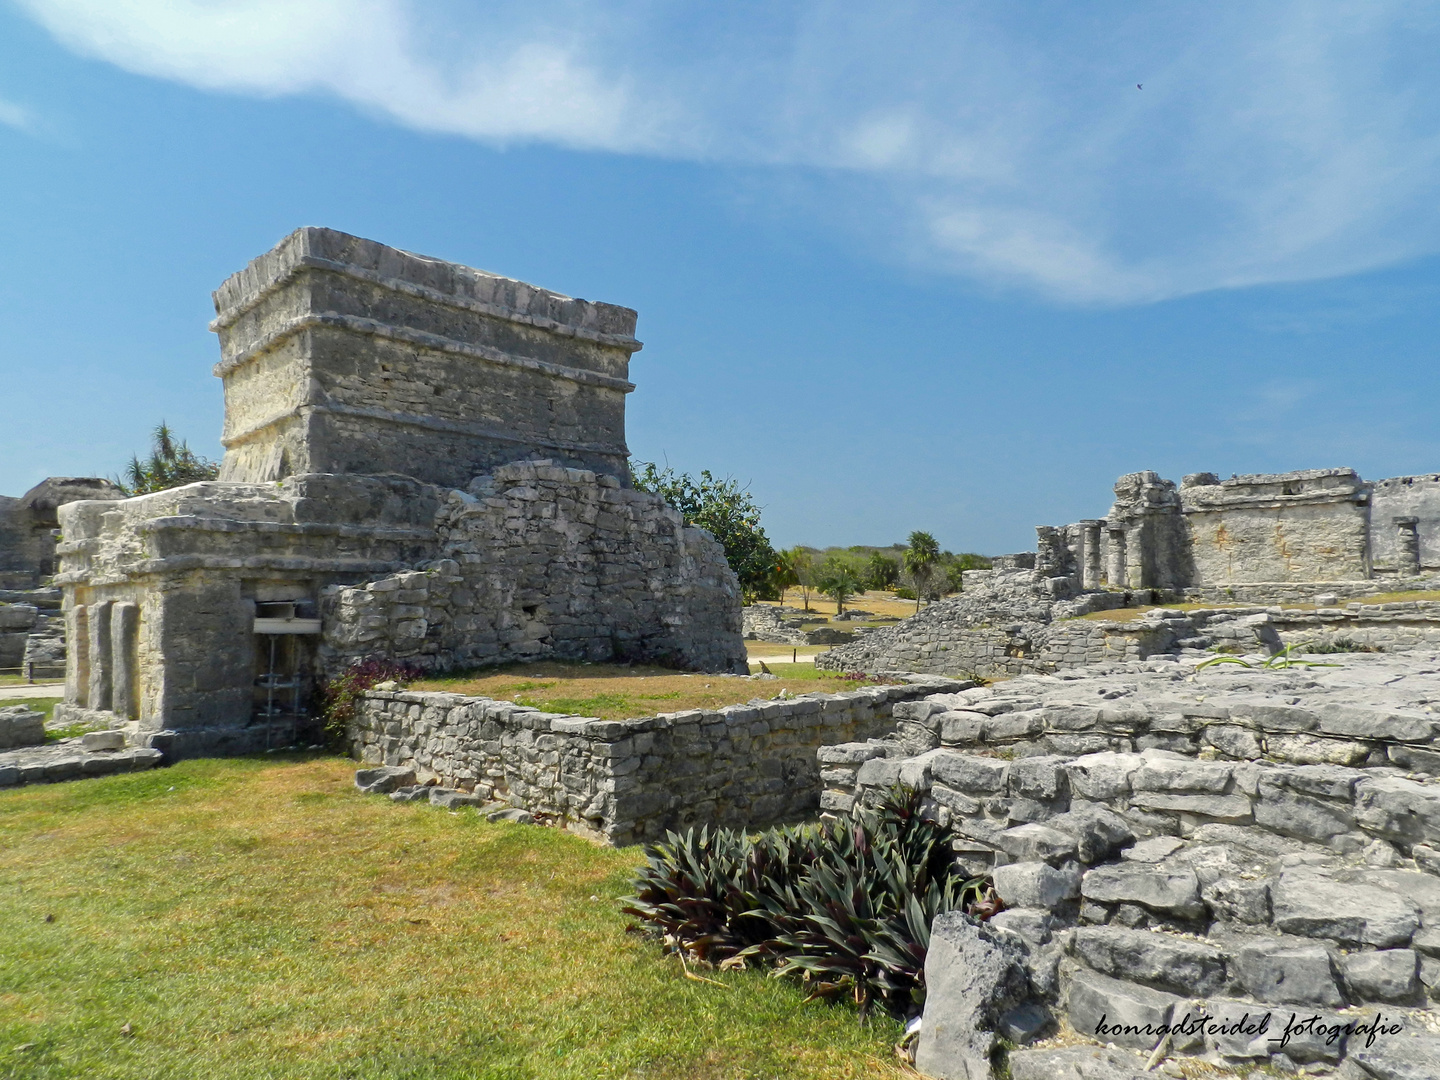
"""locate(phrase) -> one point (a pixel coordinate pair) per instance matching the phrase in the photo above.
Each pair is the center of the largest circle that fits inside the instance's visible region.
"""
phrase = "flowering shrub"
(339, 696)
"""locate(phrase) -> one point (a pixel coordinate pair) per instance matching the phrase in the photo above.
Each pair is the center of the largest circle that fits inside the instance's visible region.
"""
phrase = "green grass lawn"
(257, 918)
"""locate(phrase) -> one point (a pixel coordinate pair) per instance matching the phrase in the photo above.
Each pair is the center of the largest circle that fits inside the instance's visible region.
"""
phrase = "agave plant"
(846, 906)
(1279, 661)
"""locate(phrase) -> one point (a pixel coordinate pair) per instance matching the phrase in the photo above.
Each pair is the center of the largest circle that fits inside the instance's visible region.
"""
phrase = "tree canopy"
(727, 512)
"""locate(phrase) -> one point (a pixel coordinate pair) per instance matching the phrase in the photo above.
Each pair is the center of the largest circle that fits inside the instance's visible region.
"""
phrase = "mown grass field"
(257, 918)
(613, 692)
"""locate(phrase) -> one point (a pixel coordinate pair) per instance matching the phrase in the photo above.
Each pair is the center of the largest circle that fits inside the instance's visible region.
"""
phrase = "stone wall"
(32, 632)
(342, 355)
(627, 780)
(1170, 840)
(1300, 526)
(536, 560)
(941, 645)
(544, 562)
(1405, 497)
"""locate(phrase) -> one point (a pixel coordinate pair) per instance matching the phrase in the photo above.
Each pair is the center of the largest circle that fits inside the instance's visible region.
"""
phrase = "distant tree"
(794, 569)
(838, 579)
(171, 464)
(727, 512)
(920, 558)
(881, 572)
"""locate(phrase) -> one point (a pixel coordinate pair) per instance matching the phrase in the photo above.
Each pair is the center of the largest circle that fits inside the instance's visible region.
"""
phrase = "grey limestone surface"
(1154, 872)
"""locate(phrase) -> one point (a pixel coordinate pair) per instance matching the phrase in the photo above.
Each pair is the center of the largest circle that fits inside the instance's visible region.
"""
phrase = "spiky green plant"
(1279, 661)
(845, 905)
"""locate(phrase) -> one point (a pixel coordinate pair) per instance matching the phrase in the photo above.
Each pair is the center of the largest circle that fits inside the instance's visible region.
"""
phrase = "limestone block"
(1037, 843)
(1076, 1063)
(1276, 971)
(384, 780)
(1179, 774)
(1098, 831)
(1399, 809)
(1300, 816)
(1156, 959)
(1103, 776)
(1351, 912)
(1036, 884)
(966, 773)
(1173, 893)
(1118, 1012)
(21, 726)
(1388, 975)
(973, 976)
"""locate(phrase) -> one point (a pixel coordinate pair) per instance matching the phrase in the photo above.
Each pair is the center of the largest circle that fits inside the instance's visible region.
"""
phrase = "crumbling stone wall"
(28, 525)
(627, 780)
(1309, 526)
(599, 573)
(1290, 538)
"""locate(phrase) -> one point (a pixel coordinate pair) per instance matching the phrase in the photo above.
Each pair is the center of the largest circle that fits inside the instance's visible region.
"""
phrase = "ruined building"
(1318, 539)
(28, 525)
(32, 634)
(424, 462)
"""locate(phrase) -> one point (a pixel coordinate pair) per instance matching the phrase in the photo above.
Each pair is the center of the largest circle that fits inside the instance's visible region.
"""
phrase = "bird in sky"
(1139, 87)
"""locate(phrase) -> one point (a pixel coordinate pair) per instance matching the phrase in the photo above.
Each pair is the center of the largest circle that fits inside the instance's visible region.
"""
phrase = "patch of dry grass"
(259, 918)
(617, 692)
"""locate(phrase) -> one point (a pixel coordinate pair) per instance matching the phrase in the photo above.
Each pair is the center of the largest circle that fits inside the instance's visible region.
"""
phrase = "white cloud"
(15, 116)
(1271, 142)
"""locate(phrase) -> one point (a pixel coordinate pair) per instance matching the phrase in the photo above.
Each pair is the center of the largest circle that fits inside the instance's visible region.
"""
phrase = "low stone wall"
(627, 780)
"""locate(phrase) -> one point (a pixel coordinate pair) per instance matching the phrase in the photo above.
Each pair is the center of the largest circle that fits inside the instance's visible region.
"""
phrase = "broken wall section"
(542, 561)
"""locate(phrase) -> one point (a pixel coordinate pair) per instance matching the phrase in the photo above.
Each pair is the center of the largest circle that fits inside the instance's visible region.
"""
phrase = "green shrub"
(845, 906)
(340, 695)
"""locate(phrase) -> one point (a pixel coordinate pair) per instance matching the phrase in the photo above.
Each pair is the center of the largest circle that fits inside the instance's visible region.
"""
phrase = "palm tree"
(920, 557)
(171, 464)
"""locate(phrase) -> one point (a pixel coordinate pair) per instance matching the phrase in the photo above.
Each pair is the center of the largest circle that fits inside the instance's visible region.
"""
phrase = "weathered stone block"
(1174, 893)
(1287, 972)
(1156, 959)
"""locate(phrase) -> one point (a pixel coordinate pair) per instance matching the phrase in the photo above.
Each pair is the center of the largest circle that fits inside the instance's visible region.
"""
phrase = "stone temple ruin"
(423, 461)
(1320, 539)
(32, 633)
(426, 462)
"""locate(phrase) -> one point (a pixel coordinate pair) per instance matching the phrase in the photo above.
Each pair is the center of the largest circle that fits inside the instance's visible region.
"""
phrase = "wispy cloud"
(15, 116)
(1011, 144)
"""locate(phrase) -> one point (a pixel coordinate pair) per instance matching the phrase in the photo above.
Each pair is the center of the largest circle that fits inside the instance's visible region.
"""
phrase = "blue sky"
(898, 266)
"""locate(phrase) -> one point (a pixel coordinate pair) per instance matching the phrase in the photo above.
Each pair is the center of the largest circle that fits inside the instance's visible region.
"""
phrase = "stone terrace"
(1169, 840)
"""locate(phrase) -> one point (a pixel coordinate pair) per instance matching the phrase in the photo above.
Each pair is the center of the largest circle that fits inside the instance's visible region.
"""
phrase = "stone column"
(1115, 571)
(77, 656)
(1048, 544)
(100, 659)
(124, 634)
(1407, 545)
(1090, 554)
